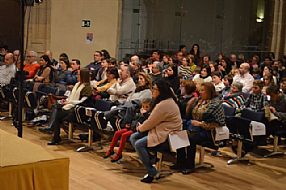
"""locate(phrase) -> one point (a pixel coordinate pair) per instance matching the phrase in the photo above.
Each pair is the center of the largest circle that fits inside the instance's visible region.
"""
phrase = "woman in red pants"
(127, 131)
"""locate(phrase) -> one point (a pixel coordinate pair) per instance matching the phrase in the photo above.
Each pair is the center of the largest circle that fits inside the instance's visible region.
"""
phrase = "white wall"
(68, 36)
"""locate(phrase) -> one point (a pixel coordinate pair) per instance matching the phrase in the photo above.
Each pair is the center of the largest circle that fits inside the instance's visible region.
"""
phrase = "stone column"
(278, 31)
(38, 27)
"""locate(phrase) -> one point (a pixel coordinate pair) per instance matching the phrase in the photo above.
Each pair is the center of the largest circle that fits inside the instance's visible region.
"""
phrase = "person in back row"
(156, 71)
(95, 66)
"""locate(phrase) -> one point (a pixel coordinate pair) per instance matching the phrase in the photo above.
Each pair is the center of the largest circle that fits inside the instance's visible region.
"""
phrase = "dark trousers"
(274, 127)
(61, 116)
(186, 156)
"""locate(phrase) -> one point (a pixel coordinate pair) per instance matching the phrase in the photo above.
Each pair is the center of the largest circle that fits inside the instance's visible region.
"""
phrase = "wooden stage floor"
(89, 171)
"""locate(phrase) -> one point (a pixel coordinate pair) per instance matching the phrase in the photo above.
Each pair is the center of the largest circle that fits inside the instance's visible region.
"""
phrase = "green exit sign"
(85, 23)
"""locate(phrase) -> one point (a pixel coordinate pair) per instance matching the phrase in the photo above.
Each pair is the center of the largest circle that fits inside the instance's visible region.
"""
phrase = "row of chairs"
(240, 129)
(87, 121)
(86, 118)
(243, 129)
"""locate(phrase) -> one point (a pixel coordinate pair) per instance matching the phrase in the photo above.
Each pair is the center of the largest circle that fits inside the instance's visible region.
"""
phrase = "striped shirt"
(234, 100)
(185, 71)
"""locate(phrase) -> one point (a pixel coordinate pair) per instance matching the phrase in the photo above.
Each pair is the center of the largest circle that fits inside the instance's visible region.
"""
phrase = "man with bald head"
(244, 77)
(8, 70)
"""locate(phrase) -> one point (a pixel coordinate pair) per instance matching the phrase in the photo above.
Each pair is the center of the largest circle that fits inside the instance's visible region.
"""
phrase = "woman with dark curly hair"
(206, 114)
(171, 76)
(165, 118)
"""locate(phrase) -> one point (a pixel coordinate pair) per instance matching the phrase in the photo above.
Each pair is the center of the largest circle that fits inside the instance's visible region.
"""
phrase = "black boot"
(56, 141)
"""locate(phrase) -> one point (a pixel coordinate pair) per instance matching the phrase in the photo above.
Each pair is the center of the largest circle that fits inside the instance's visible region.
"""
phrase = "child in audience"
(216, 77)
(227, 81)
(127, 131)
(256, 100)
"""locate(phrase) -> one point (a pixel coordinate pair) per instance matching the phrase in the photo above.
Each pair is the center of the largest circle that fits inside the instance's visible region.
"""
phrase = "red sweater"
(31, 69)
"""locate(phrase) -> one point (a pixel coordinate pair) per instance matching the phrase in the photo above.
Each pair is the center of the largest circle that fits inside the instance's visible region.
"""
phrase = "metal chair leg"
(239, 153)
(202, 163)
(10, 109)
(90, 137)
(90, 141)
(159, 163)
(275, 149)
(70, 135)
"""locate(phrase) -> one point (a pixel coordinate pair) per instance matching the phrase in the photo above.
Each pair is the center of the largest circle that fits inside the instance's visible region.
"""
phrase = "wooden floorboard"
(89, 171)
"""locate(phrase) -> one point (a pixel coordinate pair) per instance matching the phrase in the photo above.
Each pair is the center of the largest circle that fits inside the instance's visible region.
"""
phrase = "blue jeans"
(139, 142)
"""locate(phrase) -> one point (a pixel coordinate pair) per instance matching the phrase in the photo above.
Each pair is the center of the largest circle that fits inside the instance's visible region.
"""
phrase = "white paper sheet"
(178, 139)
(222, 133)
(88, 111)
(257, 128)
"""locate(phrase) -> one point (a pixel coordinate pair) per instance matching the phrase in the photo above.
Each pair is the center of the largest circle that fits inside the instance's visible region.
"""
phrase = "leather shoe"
(147, 179)
(187, 171)
(54, 142)
(46, 130)
(116, 157)
(175, 167)
(108, 154)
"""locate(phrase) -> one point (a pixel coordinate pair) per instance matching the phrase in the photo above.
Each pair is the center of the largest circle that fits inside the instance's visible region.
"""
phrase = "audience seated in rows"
(186, 79)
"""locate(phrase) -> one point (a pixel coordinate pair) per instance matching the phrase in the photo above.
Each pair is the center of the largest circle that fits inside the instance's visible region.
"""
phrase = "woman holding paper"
(165, 118)
(206, 114)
